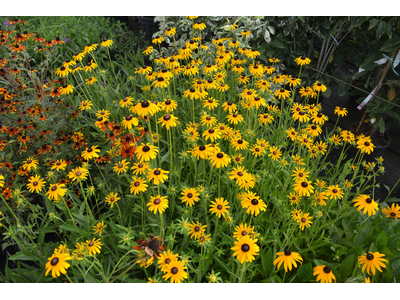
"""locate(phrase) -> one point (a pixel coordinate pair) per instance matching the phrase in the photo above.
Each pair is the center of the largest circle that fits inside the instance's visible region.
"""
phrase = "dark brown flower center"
(366, 144)
(35, 183)
(254, 201)
(145, 104)
(370, 256)
(220, 155)
(91, 244)
(197, 229)
(334, 191)
(174, 270)
(157, 172)
(53, 188)
(245, 247)
(157, 201)
(167, 117)
(368, 200)
(146, 149)
(304, 184)
(219, 206)
(303, 220)
(128, 118)
(137, 183)
(288, 252)
(327, 270)
(189, 195)
(54, 261)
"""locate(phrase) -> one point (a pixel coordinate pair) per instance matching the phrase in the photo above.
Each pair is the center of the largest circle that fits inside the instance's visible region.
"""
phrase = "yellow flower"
(245, 249)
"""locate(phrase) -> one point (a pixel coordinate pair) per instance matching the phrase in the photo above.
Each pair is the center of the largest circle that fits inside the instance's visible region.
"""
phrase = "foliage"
(111, 145)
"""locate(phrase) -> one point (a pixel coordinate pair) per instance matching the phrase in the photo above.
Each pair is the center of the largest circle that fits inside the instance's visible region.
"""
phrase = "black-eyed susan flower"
(294, 198)
(248, 94)
(212, 134)
(392, 212)
(30, 163)
(324, 274)
(219, 207)
(66, 89)
(161, 82)
(157, 175)
(235, 118)
(127, 101)
(302, 60)
(168, 121)
(90, 66)
(146, 152)
(35, 184)
(199, 25)
(168, 105)
(129, 121)
(319, 199)
(145, 108)
(196, 229)
(121, 167)
(90, 80)
(90, 153)
(190, 196)
(305, 220)
(140, 168)
(99, 227)
(138, 185)
(59, 165)
(111, 198)
(78, 56)
(245, 249)
(158, 203)
(303, 188)
(93, 246)
(57, 264)
(243, 230)
(253, 204)
(239, 144)
(334, 192)
(106, 43)
(56, 191)
(365, 145)
(219, 159)
(371, 262)
(148, 50)
(367, 203)
(176, 271)
(166, 258)
(300, 174)
(78, 173)
(202, 151)
(340, 111)
(256, 150)
(282, 94)
(288, 259)
(85, 105)
(275, 153)
(319, 87)
(89, 48)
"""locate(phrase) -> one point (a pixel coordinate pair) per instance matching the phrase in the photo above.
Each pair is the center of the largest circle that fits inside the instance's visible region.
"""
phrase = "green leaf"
(362, 234)
(396, 267)
(388, 277)
(372, 23)
(381, 125)
(341, 89)
(21, 256)
(382, 240)
(394, 240)
(69, 228)
(393, 199)
(222, 264)
(277, 43)
(267, 262)
(327, 93)
(305, 272)
(390, 45)
(346, 266)
(380, 29)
